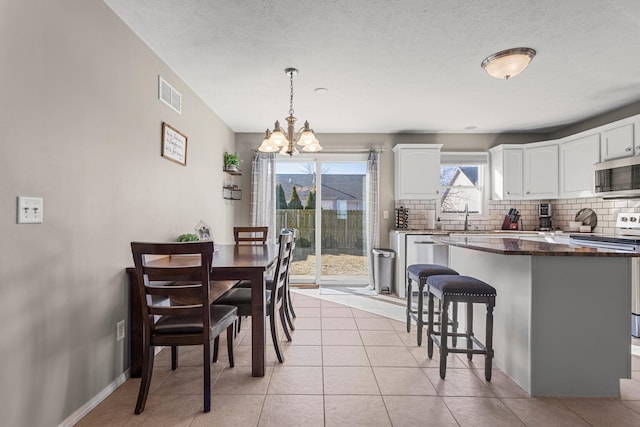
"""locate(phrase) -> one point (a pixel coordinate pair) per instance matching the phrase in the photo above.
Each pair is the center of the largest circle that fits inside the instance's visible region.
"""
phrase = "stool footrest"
(452, 334)
(414, 316)
(479, 348)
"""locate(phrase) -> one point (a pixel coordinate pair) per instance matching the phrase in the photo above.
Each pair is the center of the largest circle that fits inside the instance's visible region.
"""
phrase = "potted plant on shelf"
(231, 162)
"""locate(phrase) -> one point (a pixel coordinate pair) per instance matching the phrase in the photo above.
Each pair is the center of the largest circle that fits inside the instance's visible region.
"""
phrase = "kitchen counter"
(446, 232)
(421, 231)
(561, 321)
(541, 245)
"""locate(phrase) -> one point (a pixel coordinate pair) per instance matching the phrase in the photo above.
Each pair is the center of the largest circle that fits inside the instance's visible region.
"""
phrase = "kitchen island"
(561, 321)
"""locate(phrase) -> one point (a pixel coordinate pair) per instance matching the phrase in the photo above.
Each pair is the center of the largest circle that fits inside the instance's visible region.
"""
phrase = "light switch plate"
(30, 210)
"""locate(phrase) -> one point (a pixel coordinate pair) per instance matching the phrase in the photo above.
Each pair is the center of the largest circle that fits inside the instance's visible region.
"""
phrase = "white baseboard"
(90, 405)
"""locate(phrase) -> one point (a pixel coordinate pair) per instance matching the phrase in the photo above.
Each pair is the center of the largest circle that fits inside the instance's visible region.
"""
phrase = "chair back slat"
(157, 274)
(173, 291)
(250, 235)
(175, 310)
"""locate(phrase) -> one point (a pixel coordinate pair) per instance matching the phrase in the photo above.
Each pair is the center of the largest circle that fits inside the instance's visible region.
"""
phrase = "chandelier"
(278, 140)
(508, 63)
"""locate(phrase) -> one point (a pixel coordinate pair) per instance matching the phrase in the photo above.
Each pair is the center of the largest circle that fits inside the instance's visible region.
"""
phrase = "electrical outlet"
(385, 214)
(30, 210)
(120, 330)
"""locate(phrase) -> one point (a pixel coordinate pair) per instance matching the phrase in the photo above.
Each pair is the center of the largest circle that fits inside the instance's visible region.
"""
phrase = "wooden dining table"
(230, 262)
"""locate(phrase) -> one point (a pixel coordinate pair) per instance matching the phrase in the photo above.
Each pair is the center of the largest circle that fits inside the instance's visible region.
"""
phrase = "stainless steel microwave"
(618, 178)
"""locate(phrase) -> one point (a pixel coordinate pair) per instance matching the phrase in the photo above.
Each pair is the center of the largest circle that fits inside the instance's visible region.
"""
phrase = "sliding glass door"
(324, 198)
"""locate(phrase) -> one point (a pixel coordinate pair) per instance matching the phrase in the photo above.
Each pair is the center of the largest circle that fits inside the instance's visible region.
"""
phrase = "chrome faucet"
(466, 217)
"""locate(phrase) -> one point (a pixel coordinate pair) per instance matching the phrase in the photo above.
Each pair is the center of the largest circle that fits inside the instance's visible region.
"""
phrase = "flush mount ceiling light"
(278, 140)
(508, 63)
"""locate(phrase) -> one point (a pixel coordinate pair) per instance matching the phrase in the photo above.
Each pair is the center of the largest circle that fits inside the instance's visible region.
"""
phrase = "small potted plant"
(188, 237)
(231, 162)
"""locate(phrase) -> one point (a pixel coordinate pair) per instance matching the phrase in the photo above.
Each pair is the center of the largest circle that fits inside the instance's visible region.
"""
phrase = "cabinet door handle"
(628, 149)
(637, 147)
(528, 192)
(508, 193)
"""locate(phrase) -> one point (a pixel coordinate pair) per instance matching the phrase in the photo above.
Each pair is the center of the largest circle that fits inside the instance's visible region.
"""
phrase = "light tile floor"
(352, 363)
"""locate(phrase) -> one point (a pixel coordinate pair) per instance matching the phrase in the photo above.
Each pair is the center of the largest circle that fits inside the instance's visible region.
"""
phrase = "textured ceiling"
(396, 66)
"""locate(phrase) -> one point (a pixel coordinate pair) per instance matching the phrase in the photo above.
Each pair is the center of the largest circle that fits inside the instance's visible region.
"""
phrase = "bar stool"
(419, 273)
(456, 288)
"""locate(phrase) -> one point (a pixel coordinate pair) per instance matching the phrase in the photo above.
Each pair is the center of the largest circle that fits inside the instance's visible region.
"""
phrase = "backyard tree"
(311, 200)
(295, 202)
(281, 199)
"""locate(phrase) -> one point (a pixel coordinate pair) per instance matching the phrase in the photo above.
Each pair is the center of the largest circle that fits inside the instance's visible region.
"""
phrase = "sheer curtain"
(263, 193)
(373, 205)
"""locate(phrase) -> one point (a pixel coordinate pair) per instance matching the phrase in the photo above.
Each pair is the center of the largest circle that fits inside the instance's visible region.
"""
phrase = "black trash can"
(384, 262)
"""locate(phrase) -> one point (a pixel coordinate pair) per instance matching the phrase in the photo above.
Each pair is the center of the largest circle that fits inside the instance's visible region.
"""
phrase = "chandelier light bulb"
(289, 150)
(312, 148)
(307, 136)
(267, 145)
(278, 137)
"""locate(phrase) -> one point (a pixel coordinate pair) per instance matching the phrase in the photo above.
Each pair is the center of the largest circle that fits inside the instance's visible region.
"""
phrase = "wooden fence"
(340, 233)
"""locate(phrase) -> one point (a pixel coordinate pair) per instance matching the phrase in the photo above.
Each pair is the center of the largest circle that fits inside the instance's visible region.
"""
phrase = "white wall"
(80, 126)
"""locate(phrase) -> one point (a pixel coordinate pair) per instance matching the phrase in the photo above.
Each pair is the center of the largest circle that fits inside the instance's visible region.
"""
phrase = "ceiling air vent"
(169, 95)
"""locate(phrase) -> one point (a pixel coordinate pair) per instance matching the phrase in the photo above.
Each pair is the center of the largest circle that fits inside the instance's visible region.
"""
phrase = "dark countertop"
(420, 231)
(450, 231)
(514, 246)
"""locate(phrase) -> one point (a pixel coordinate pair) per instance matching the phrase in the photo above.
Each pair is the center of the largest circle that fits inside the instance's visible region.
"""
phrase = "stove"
(626, 238)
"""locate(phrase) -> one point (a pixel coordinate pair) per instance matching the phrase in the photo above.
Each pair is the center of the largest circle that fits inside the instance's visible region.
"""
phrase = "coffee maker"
(544, 217)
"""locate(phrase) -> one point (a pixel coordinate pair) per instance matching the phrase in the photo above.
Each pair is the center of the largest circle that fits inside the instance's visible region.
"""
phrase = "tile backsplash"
(563, 211)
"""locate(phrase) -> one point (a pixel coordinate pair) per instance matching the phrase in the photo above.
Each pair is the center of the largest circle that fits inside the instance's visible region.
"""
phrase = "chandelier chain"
(291, 96)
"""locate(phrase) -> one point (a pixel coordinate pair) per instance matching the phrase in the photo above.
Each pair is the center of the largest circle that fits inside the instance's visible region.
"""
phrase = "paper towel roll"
(431, 220)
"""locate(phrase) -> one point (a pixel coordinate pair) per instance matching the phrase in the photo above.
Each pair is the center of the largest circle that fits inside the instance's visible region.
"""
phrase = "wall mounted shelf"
(232, 193)
(232, 171)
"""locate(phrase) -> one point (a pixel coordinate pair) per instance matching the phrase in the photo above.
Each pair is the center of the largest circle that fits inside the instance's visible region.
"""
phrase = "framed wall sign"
(174, 145)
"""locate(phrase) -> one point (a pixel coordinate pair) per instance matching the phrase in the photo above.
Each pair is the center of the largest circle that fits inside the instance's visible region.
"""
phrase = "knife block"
(508, 225)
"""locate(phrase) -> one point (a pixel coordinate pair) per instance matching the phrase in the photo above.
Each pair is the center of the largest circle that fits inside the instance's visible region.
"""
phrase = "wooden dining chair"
(290, 314)
(250, 235)
(287, 305)
(241, 297)
(173, 325)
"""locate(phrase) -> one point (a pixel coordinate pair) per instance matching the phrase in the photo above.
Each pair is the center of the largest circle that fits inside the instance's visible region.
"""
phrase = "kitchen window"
(463, 183)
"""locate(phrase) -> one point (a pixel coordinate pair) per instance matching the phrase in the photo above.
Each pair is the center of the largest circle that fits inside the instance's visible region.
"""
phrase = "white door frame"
(318, 159)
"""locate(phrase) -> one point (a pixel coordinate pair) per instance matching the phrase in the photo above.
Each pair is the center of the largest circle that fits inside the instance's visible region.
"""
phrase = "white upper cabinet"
(540, 180)
(562, 168)
(417, 171)
(617, 142)
(577, 157)
(506, 172)
(528, 171)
